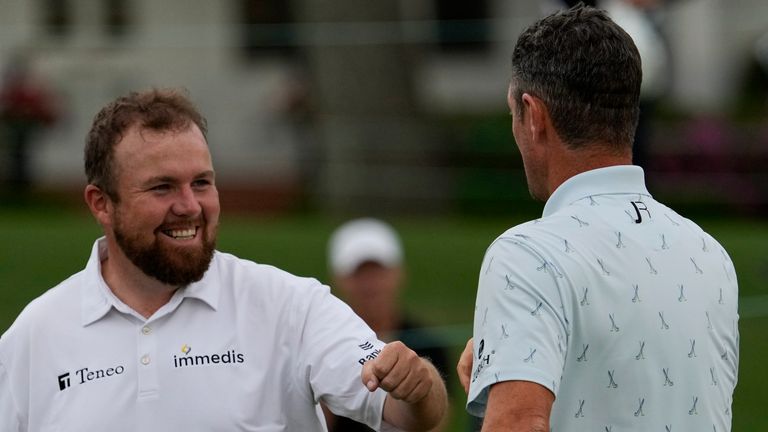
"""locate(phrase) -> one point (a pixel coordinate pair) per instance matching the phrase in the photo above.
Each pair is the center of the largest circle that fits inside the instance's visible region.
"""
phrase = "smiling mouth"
(181, 234)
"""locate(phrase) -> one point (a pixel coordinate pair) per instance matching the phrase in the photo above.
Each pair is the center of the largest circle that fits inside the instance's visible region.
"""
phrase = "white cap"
(362, 240)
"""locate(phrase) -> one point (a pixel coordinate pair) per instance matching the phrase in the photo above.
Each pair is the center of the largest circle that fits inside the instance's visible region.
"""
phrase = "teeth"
(182, 234)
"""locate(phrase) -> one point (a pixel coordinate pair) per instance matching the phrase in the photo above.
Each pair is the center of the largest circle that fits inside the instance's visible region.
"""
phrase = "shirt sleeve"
(520, 326)
(335, 344)
(9, 419)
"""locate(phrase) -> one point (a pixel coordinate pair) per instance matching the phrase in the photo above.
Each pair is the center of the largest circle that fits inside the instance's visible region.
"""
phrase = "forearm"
(521, 423)
(420, 415)
(518, 406)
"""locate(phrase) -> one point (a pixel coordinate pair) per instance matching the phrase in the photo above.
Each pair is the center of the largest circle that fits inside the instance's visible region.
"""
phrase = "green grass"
(41, 247)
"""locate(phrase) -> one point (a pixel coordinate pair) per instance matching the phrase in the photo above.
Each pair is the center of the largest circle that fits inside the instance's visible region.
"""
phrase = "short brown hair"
(587, 71)
(156, 109)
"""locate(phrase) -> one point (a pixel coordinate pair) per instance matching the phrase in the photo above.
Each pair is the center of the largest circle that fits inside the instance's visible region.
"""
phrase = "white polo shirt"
(248, 348)
(625, 310)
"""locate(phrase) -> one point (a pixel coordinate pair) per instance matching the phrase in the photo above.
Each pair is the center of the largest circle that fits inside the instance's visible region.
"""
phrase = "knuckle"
(421, 368)
(415, 397)
(418, 393)
(397, 394)
(395, 347)
(398, 344)
(388, 384)
(401, 391)
(378, 369)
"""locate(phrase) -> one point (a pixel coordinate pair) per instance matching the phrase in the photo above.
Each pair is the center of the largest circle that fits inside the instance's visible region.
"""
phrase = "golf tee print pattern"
(625, 310)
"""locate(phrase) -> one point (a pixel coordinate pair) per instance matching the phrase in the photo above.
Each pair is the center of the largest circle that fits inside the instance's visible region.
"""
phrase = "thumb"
(369, 379)
(464, 368)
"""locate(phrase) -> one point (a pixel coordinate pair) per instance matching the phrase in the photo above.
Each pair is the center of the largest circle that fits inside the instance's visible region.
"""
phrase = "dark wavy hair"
(587, 71)
(157, 109)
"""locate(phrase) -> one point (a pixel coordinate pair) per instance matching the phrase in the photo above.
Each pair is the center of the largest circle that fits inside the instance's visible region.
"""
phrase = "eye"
(201, 183)
(161, 188)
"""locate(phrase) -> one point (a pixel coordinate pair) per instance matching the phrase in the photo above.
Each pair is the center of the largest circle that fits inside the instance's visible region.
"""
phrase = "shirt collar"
(95, 301)
(98, 299)
(208, 288)
(619, 179)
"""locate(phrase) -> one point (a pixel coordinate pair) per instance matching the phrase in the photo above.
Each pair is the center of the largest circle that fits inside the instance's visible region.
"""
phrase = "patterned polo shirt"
(621, 307)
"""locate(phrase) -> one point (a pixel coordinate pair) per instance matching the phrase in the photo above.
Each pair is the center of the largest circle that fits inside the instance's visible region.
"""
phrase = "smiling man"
(162, 332)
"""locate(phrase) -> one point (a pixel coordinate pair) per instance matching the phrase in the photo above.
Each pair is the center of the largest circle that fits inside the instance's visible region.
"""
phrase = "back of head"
(159, 110)
(587, 71)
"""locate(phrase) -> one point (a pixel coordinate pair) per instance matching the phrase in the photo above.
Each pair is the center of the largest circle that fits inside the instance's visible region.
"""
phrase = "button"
(145, 360)
(146, 330)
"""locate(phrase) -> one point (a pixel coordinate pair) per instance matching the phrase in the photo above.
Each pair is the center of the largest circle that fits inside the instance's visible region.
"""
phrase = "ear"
(100, 204)
(537, 121)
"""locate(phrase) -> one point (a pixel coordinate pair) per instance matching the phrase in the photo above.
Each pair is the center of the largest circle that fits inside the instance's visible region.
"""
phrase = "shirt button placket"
(147, 362)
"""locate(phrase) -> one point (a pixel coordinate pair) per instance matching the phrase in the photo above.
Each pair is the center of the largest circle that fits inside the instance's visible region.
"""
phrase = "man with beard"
(162, 332)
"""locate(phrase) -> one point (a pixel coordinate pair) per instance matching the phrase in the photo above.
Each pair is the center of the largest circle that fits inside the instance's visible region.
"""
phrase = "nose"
(186, 203)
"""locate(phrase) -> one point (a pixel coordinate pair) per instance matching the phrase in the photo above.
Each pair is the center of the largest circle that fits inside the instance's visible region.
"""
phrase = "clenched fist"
(399, 371)
(416, 398)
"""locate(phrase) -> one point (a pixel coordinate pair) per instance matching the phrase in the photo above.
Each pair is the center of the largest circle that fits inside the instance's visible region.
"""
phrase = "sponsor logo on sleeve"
(370, 352)
(483, 361)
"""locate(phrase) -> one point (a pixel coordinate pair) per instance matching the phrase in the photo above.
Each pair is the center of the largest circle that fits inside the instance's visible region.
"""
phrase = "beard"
(177, 266)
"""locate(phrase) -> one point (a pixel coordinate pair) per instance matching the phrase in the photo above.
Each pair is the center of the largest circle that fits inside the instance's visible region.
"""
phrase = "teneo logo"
(86, 375)
(229, 357)
(64, 382)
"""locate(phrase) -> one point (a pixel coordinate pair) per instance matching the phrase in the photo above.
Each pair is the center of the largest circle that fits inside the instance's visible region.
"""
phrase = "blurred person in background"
(365, 258)
(611, 311)
(162, 332)
(26, 108)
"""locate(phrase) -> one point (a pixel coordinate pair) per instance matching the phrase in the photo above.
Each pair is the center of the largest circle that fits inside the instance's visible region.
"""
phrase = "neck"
(142, 293)
(567, 163)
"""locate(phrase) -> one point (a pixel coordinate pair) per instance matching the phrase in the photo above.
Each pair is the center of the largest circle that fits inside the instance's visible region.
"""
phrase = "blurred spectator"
(25, 108)
(365, 258)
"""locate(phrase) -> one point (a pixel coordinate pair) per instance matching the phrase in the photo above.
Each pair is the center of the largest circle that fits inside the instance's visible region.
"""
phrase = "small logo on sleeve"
(369, 352)
(483, 361)
(367, 346)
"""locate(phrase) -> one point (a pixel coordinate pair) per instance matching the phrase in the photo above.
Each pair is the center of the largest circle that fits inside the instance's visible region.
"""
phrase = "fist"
(400, 372)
